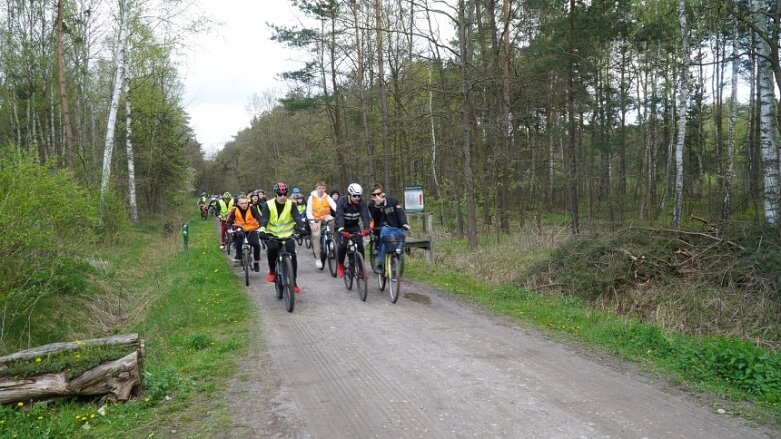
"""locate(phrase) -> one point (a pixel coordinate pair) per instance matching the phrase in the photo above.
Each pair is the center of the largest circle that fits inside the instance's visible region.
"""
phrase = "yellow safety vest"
(225, 208)
(280, 225)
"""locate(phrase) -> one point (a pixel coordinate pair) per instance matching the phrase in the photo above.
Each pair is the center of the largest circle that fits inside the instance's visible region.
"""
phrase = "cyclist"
(262, 197)
(319, 208)
(245, 218)
(334, 196)
(203, 203)
(226, 205)
(298, 198)
(388, 217)
(254, 199)
(350, 210)
(279, 218)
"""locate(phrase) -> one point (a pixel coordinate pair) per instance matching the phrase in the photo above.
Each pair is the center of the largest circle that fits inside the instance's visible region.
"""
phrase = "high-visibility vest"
(320, 206)
(280, 225)
(225, 208)
(248, 223)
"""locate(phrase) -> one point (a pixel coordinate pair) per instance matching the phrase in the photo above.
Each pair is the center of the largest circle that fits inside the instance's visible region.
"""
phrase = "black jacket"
(390, 213)
(349, 215)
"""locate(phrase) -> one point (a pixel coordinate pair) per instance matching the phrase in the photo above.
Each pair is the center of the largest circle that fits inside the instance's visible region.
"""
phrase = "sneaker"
(237, 260)
(222, 246)
(340, 270)
(271, 277)
(255, 267)
(319, 264)
(296, 289)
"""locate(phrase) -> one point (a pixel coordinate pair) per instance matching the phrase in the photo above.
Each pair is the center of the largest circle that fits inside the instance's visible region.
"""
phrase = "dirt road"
(431, 366)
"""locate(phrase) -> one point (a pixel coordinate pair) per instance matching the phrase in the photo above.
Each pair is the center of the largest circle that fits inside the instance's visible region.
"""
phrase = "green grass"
(194, 317)
(748, 378)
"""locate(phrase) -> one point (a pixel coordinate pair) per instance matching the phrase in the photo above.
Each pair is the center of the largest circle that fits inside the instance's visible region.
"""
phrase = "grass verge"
(744, 378)
(194, 317)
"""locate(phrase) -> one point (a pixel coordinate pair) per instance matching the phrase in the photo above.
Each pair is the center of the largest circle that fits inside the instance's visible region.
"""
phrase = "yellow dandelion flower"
(78, 355)
(2, 421)
(92, 416)
(38, 360)
(216, 270)
(20, 403)
(40, 418)
(146, 399)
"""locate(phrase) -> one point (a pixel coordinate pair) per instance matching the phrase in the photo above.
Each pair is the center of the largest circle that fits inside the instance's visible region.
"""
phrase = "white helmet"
(355, 189)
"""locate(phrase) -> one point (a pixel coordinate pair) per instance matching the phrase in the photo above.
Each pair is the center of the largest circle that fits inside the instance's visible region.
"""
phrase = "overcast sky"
(233, 62)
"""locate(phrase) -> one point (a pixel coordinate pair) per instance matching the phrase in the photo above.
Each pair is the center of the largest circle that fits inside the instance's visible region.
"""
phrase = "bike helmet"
(296, 190)
(203, 194)
(280, 188)
(355, 189)
(298, 196)
(226, 195)
(261, 192)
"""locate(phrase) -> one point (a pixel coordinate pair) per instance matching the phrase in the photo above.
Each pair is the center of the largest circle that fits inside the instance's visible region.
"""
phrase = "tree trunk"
(465, 125)
(66, 120)
(359, 74)
(683, 103)
(116, 378)
(383, 96)
(733, 113)
(766, 120)
(131, 168)
(572, 169)
(119, 75)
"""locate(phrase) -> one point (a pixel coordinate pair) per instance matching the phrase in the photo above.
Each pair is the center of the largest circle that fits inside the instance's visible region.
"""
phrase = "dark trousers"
(254, 242)
(272, 249)
(341, 250)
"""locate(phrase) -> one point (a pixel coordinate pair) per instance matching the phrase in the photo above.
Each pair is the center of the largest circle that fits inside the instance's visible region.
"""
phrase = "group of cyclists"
(286, 214)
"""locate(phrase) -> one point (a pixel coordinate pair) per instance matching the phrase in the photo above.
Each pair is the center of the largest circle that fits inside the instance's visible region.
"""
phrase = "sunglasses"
(377, 194)
(282, 195)
(355, 196)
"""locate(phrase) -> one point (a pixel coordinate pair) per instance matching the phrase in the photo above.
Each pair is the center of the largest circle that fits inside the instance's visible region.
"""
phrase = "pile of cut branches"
(695, 281)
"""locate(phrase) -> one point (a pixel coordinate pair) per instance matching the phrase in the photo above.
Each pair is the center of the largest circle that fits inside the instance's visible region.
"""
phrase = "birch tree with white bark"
(119, 63)
(683, 106)
(767, 100)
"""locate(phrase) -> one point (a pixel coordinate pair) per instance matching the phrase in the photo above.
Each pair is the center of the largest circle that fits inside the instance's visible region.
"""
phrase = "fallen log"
(114, 379)
(53, 348)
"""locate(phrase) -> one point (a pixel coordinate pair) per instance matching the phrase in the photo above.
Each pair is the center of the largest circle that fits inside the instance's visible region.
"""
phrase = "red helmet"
(280, 188)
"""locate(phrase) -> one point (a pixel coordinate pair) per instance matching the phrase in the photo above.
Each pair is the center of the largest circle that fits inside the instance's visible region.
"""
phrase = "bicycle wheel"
(246, 260)
(395, 278)
(279, 282)
(349, 272)
(381, 275)
(331, 256)
(360, 276)
(288, 282)
(228, 243)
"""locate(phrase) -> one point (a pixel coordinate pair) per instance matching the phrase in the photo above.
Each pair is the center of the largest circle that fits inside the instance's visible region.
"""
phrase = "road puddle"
(419, 298)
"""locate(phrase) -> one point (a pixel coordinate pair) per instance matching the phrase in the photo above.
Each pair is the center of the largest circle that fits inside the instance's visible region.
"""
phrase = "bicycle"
(228, 241)
(246, 258)
(328, 248)
(285, 277)
(353, 266)
(393, 266)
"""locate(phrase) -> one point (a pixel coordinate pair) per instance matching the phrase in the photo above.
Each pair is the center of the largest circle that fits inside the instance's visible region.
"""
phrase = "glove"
(365, 232)
(346, 235)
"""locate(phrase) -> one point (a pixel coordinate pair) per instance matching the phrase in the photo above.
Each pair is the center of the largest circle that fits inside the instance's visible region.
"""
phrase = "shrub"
(47, 221)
